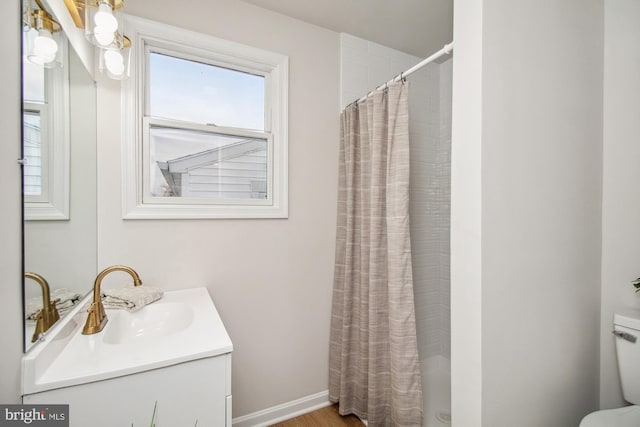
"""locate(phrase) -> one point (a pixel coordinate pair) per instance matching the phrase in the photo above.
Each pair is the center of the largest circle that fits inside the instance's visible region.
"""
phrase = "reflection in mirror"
(47, 314)
(59, 145)
(46, 134)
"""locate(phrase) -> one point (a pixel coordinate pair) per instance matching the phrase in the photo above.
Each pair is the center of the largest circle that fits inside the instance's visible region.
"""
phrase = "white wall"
(270, 279)
(539, 221)
(541, 210)
(466, 215)
(10, 228)
(621, 177)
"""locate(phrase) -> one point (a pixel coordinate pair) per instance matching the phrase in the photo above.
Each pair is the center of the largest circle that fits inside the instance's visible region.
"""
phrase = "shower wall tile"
(379, 70)
(382, 64)
(352, 76)
(444, 160)
(366, 65)
(349, 41)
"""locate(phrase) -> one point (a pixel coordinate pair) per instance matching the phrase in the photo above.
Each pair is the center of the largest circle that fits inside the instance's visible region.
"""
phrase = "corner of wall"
(620, 204)
(10, 226)
(466, 191)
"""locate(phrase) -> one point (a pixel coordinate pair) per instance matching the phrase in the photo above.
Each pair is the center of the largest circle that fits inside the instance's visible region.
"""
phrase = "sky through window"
(192, 91)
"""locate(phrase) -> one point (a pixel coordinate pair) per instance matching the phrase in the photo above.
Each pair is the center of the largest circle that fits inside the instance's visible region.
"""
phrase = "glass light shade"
(101, 23)
(33, 75)
(42, 49)
(44, 44)
(105, 26)
(114, 60)
(104, 18)
(104, 39)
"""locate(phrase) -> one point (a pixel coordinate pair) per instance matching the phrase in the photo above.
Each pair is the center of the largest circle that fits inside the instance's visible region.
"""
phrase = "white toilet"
(626, 328)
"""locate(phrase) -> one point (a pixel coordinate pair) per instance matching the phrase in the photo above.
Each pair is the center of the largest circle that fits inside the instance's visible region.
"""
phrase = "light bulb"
(104, 39)
(44, 48)
(114, 62)
(38, 60)
(106, 25)
(104, 19)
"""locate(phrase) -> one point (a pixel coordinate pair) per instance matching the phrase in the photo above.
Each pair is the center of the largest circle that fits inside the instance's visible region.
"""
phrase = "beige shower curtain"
(374, 365)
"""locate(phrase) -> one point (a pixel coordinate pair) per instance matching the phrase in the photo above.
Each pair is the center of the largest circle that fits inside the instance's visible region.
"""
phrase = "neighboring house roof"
(172, 170)
(209, 157)
(31, 134)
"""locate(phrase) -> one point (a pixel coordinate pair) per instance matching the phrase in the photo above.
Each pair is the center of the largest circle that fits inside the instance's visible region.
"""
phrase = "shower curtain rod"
(446, 50)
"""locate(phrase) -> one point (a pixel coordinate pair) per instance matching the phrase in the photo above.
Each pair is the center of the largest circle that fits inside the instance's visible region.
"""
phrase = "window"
(34, 187)
(45, 148)
(205, 127)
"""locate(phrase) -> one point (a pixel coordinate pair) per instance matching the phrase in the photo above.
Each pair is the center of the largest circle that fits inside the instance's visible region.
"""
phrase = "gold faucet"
(97, 317)
(48, 315)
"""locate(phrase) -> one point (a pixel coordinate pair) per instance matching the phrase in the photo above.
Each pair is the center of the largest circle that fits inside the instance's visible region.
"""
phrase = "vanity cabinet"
(175, 352)
(193, 391)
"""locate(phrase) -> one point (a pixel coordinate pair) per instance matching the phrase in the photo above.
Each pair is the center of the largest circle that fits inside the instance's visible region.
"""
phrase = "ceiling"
(418, 27)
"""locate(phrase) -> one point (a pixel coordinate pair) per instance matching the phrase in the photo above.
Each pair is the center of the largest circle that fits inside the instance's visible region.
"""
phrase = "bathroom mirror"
(59, 181)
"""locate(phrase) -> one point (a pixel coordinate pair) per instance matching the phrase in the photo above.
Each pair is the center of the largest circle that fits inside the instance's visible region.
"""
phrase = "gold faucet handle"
(39, 326)
(96, 319)
(45, 318)
(48, 315)
(54, 316)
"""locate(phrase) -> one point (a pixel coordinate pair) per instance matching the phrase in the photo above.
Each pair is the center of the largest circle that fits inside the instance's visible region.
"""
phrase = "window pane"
(186, 163)
(192, 91)
(32, 154)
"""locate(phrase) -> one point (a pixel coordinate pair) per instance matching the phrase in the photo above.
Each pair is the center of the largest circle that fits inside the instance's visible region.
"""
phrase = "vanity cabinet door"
(185, 393)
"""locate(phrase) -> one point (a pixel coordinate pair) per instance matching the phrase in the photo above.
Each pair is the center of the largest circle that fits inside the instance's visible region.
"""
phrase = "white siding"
(230, 179)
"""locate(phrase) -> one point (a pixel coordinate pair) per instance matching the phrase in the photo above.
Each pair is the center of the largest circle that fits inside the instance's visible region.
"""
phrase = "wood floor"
(324, 417)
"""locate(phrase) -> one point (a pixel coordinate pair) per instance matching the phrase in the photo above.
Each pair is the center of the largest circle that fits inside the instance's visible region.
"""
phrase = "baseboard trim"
(285, 411)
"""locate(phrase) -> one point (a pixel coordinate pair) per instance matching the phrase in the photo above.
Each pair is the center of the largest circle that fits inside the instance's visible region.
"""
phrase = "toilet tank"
(626, 327)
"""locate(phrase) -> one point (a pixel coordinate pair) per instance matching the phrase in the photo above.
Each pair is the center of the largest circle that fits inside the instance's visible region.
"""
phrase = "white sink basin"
(153, 321)
(182, 326)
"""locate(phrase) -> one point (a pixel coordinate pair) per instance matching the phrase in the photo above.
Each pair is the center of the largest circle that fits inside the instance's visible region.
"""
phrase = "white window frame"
(137, 202)
(53, 203)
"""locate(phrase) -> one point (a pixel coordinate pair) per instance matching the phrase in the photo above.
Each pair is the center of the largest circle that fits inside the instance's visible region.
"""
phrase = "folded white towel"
(130, 298)
(65, 298)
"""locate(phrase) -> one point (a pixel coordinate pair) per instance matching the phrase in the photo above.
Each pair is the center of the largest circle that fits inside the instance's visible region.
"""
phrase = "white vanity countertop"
(69, 358)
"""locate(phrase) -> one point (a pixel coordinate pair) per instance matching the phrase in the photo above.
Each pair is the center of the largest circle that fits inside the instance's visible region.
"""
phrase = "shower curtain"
(373, 363)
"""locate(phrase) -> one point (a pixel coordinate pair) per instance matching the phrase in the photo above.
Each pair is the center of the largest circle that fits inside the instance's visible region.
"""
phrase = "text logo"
(34, 415)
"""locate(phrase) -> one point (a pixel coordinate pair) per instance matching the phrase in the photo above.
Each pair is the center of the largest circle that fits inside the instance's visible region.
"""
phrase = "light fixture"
(100, 21)
(114, 59)
(40, 27)
(99, 18)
